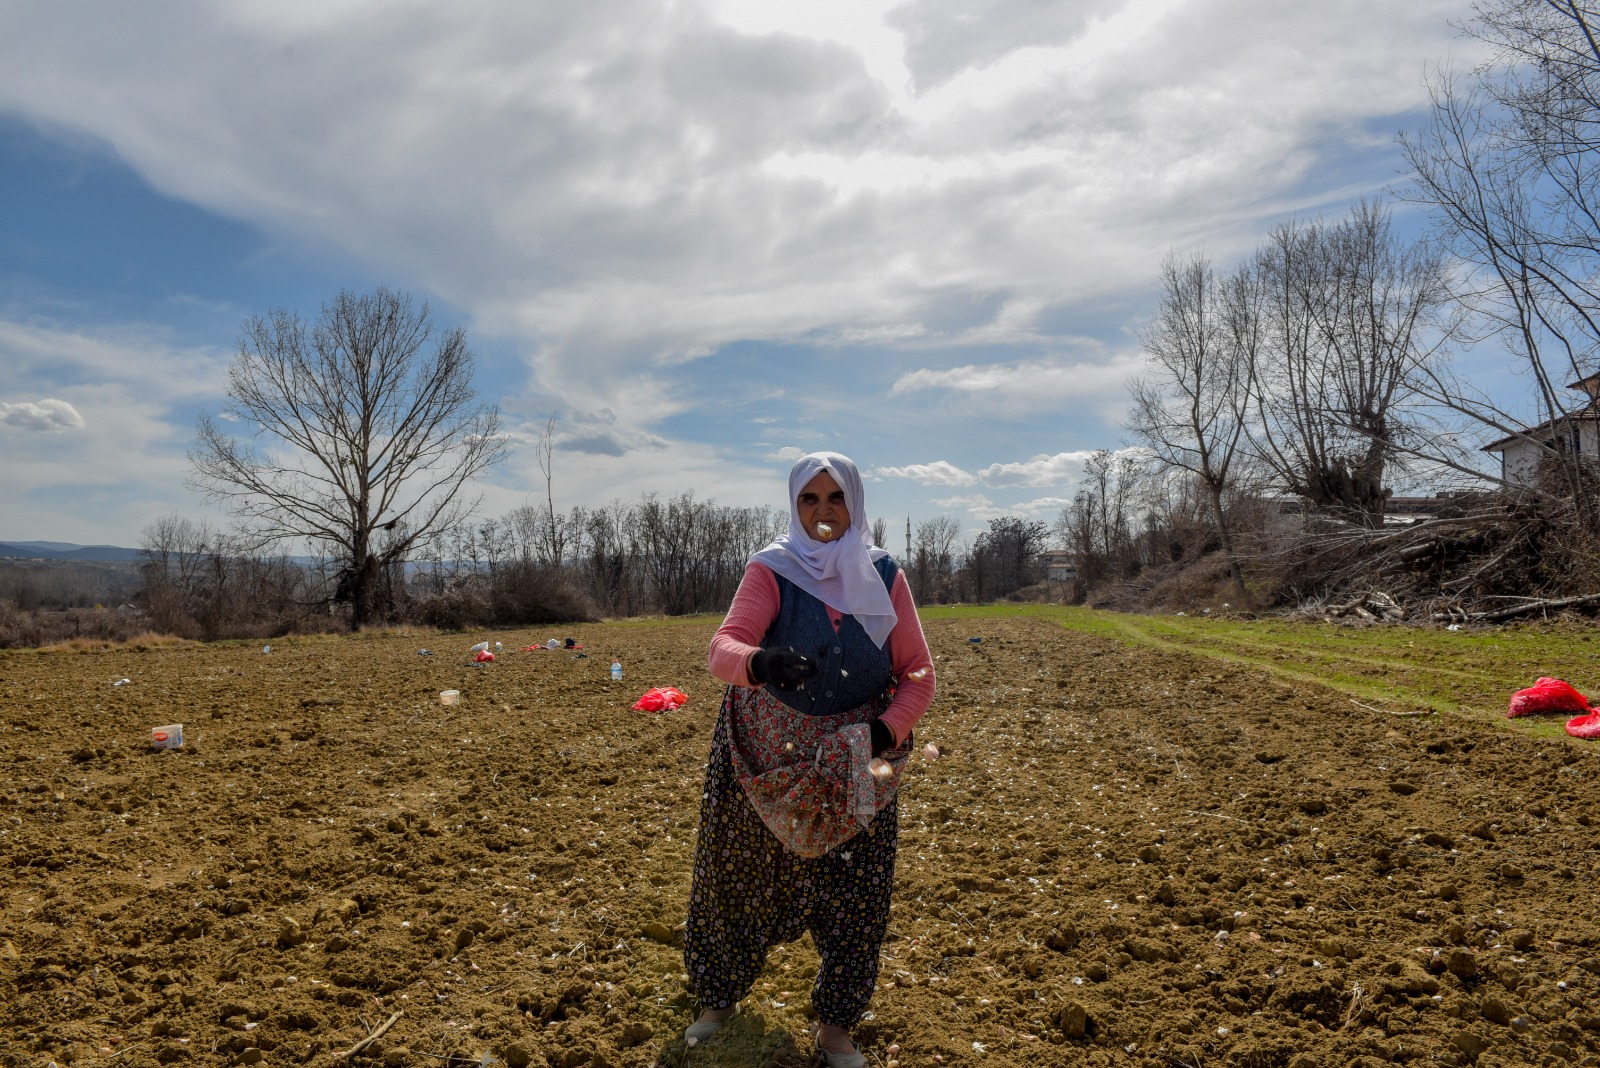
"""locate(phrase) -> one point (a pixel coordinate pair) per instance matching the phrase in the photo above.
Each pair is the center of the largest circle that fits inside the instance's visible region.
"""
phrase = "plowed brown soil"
(1124, 858)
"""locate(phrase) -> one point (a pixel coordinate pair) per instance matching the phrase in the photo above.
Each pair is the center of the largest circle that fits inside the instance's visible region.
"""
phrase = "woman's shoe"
(701, 1030)
(842, 1060)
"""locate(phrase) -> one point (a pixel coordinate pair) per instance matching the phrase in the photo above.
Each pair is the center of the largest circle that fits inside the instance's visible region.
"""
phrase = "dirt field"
(1125, 858)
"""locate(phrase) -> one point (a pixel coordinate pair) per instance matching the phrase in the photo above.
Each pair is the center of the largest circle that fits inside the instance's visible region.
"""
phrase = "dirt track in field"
(1126, 857)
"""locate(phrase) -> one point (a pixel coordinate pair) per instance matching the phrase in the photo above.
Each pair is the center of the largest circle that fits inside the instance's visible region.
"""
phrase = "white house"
(1060, 565)
(1577, 430)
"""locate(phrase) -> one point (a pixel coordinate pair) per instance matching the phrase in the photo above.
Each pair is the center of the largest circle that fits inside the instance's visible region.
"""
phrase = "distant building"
(1060, 565)
(1577, 431)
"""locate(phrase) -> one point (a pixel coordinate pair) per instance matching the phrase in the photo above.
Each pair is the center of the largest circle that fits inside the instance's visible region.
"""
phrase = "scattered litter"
(424, 652)
(167, 737)
(497, 647)
(1547, 695)
(660, 699)
(553, 643)
(572, 643)
(449, 697)
(974, 641)
(484, 656)
(121, 682)
(616, 671)
(481, 647)
(266, 648)
(1453, 626)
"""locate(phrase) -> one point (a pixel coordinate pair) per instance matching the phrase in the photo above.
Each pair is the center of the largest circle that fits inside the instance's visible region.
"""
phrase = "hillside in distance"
(60, 550)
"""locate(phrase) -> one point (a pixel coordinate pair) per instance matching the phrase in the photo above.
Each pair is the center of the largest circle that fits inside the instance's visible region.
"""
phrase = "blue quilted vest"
(853, 670)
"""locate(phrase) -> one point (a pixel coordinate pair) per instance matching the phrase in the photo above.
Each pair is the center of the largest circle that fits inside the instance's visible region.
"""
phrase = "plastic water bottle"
(616, 671)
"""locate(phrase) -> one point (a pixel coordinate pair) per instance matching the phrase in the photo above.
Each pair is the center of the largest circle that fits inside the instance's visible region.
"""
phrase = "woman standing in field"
(827, 673)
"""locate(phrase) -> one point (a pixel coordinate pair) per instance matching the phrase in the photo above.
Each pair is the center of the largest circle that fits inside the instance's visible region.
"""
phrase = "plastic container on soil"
(167, 737)
(616, 671)
(481, 647)
(449, 697)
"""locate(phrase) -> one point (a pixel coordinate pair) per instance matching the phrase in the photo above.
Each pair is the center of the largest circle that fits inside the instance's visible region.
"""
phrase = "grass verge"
(1470, 672)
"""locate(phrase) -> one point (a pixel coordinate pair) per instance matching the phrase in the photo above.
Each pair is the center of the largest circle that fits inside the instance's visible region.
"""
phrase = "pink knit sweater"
(754, 608)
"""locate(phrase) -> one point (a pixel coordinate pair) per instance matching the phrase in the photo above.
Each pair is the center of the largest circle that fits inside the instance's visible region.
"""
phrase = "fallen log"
(1413, 553)
(1497, 614)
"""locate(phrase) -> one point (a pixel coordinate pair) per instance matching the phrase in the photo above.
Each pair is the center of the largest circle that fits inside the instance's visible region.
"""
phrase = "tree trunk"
(1225, 536)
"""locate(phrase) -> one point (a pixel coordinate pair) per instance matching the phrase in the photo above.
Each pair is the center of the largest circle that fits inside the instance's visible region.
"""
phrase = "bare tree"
(1113, 480)
(367, 430)
(933, 559)
(1005, 557)
(1191, 405)
(555, 534)
(1351, 314)
(1510, 165)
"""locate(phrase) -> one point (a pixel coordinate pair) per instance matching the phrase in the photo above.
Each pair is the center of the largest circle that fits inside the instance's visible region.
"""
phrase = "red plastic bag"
(660, 699)
(1547, 695)
(483, 657)
(1585, 726)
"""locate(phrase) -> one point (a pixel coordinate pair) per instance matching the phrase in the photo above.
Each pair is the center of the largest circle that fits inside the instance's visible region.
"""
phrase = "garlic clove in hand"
(880, 768)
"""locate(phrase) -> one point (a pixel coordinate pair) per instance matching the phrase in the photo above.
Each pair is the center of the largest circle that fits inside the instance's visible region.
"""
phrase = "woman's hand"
(784, 668)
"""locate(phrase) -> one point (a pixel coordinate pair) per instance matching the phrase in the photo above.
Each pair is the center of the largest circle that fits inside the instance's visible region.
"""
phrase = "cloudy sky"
(705, 235)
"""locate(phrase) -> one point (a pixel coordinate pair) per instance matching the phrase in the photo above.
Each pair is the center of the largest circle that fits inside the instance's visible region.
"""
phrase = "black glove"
(784, 668)
(882, 738)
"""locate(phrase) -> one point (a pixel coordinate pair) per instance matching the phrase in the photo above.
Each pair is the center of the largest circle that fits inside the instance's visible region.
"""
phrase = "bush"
(525, 594)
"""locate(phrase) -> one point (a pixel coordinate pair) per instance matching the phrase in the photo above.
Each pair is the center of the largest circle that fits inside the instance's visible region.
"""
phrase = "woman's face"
(822, 510)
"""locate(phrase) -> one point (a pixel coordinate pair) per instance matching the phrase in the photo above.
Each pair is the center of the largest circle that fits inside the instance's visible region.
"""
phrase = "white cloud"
(974, 506)
(45, 416)
(1046, 508)
(48, 355)
(788, 454)
(128, 398)
(1034, 385)
(1059, 469)
(938, 473)
(732, 169)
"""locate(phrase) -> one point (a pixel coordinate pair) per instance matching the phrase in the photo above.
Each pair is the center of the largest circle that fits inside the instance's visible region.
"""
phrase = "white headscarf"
(839, 572)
